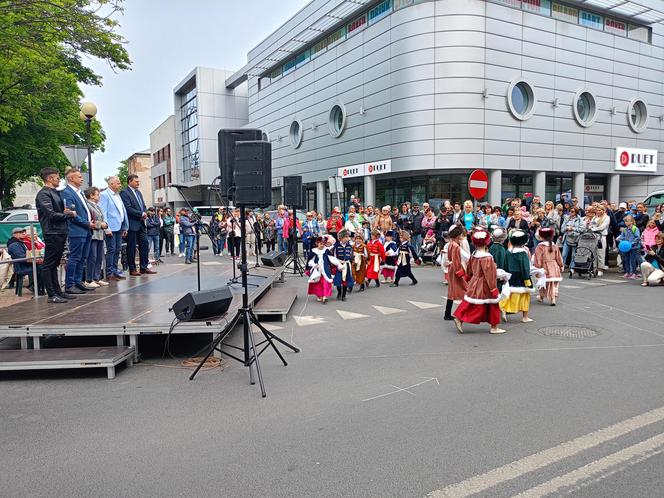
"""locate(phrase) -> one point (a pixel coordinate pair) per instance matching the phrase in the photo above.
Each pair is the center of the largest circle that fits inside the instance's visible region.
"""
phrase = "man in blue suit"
(137, 213)
(115, 214)
(79, 232)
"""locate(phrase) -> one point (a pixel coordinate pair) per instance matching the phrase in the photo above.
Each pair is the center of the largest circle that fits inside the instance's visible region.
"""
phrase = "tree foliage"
(122, 172)
(43, 44)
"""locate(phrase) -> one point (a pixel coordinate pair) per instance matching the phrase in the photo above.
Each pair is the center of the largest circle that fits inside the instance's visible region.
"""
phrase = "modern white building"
(162, 149)
(403, 98)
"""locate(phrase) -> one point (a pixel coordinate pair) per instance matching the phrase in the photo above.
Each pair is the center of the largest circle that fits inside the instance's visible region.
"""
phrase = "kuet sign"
(375, 168)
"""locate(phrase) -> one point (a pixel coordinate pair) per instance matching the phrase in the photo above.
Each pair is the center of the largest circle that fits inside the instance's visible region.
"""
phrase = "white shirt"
(83, 199)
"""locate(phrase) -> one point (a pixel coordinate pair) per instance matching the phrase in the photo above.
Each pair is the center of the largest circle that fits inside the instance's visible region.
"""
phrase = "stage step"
(59, 358)
(276, 301)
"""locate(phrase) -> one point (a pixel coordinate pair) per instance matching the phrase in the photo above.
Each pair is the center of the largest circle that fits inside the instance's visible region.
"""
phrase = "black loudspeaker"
(293, 191)
(226, 140)
(274, 259)
(253, 174)
(203, 304)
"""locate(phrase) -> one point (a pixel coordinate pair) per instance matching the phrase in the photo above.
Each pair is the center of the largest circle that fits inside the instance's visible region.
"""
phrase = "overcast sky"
(166, 40)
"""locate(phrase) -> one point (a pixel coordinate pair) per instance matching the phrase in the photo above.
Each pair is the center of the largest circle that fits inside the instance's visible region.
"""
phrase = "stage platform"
(133, 307)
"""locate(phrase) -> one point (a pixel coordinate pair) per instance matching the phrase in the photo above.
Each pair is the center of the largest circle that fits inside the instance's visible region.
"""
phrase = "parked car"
(654, 199)
(19, 214)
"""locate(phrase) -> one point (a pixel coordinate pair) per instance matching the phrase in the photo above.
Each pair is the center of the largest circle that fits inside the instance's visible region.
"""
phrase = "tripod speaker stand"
(250, 349)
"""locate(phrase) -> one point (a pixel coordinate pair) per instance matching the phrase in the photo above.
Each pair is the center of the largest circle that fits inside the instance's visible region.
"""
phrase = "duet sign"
(643, 160)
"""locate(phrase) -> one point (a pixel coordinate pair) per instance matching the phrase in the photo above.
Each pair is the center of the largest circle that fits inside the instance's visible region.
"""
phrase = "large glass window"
(516, 185)
(512, 3)
(400, 4)
(189, 134)
(638, 115)
(591, 20)
(615, 27)
(585, 108)
(565, 12)
(521, 99)
(336, 37)
(539, 6)
(638, 33)
(380, 11)
(558, 186)
(356, 24)
(319, 47)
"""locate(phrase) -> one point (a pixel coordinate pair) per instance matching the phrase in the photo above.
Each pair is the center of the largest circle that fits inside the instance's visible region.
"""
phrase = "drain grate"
(568, 332)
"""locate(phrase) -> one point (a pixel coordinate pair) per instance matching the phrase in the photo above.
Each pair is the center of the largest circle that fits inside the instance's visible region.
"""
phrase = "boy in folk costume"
(343, 251)
(517, 263)
(456, 288)
(391, 252)
(319, 266)
(406, 255)
(480, 302)
(359, 260)
(547, 256)
(376, 253)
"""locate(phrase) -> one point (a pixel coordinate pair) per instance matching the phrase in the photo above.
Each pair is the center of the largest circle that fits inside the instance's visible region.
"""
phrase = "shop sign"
(597, 189)
(643, 160)
(379, 168)
(351, 171)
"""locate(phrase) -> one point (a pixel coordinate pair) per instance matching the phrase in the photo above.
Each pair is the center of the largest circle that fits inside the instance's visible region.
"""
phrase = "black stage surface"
(138, 305)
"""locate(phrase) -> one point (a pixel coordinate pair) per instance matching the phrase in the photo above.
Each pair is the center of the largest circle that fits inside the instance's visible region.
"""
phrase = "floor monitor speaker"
(253, 174)
(203, 304)
(226, 140)
(274, 259)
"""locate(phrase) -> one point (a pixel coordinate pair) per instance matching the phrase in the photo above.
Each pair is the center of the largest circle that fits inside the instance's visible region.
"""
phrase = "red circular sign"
(478, 184)
(624, 158)
(370, 168)
(345, 173)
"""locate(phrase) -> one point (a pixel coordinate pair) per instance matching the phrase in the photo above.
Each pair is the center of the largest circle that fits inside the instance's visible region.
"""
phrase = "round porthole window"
(337, 120)
(521, 99)
(296, 133)
(637, 115)
(585, 108)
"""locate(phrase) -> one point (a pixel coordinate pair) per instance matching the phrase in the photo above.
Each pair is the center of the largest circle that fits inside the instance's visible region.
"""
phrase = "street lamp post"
(88, 113)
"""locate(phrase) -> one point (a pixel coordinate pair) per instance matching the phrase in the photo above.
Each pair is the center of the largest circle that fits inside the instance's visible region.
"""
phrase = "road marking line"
(303, 321)
(571, 287)
(588, 282)
(402, 389)
(647, 448)
(536, 461)
(613, 281)
(399, 389)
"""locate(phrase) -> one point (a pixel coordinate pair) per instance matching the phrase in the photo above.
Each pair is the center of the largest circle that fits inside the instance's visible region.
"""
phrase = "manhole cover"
(568, 332)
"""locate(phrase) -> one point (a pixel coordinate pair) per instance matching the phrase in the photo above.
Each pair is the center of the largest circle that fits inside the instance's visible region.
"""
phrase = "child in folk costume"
(343, 251)
(391, 252)
(359, 260)
(376, 253)
(456, 288)
(319, 266)
(406, 256)
(498, 251)
(517, 263)
(547, 256)
(444, 258)
(480, 302)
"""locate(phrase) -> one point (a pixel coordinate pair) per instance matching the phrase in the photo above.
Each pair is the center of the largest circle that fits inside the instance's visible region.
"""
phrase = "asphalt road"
(380, 402)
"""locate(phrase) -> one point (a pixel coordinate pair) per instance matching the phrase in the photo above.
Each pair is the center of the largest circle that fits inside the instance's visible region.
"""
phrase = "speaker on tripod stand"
(294, 198)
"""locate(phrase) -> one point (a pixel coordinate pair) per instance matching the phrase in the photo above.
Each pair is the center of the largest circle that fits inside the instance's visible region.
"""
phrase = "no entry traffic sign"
(478, 184)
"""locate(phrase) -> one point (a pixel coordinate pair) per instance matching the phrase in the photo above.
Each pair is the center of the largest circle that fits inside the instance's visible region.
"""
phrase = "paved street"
(385, 399)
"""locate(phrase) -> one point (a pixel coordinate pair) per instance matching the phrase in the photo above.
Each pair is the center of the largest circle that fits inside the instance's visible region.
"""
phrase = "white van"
(654, 199)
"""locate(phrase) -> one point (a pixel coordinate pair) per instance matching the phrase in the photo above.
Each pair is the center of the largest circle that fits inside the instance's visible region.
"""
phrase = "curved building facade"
(403, 99)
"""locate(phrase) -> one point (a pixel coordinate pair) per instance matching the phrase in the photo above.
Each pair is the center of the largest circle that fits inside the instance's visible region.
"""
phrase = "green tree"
(42, 46)
(122, 172)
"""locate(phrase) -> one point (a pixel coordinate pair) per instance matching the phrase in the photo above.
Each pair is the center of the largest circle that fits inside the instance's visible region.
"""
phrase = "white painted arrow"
(349, 315)
(303, 321)
(425, 306)
(388, 311)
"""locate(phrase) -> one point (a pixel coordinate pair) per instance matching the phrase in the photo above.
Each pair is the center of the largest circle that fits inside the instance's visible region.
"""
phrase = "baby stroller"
(429, 253)
(585, 256)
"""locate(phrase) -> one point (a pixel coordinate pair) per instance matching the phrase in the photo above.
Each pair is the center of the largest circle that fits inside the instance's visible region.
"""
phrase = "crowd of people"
(349, 248)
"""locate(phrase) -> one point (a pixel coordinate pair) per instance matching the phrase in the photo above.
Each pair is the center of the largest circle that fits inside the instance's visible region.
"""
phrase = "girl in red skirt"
(319, 270)
(480, 303)
(376, 253)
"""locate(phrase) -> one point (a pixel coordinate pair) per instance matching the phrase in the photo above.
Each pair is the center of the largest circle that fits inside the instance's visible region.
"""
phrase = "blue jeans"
(282, 244)
(189, 242)
(79, 247)
(181, 238)
(95, 258)
(113, 251)
(153, 240)
(630, 260)
(566, 251)
(417, 243)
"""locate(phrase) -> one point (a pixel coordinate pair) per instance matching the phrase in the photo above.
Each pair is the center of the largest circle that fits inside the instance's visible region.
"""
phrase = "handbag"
(599, 243)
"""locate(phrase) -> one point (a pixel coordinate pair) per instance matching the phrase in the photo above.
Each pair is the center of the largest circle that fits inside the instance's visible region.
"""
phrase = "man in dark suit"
(53, 217)
(80, 232)
(136, 211)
